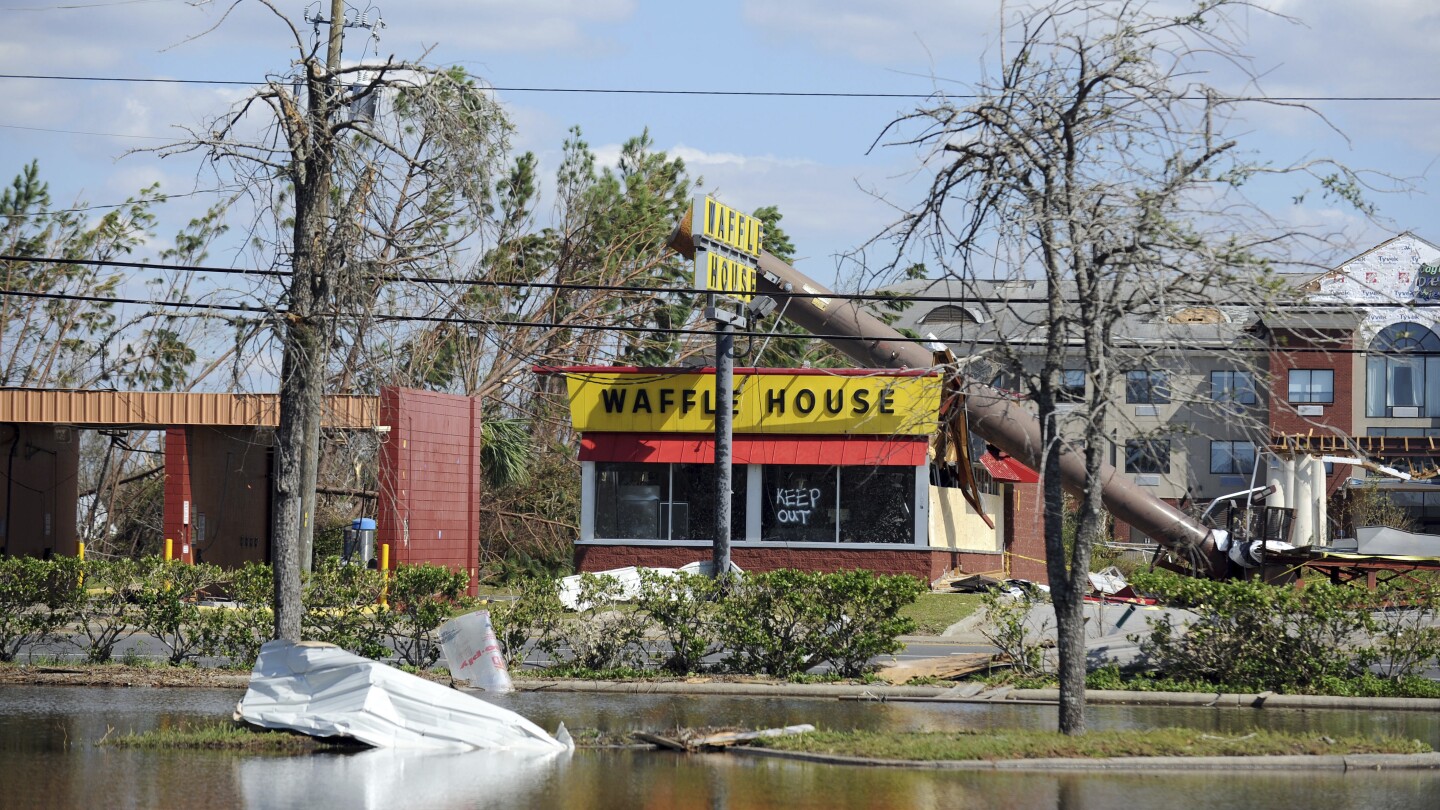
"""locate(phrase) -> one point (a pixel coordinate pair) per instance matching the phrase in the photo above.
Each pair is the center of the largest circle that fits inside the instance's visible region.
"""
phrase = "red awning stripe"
(1008, 469)
(844, 451)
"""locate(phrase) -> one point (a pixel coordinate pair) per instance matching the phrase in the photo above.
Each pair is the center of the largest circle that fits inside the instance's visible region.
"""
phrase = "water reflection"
(48, 759)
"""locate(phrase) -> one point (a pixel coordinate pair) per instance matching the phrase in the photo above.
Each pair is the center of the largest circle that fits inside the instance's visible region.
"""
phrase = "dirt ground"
(121, 675)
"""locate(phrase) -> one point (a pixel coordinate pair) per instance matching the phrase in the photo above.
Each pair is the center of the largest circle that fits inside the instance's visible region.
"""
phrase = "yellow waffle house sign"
(815, 403)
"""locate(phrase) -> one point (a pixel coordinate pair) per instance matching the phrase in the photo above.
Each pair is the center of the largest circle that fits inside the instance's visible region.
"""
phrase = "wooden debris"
(689, 740)
(948, 667)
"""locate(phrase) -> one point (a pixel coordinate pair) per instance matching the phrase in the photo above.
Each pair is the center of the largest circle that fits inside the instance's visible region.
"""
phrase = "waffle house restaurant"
(832, 470)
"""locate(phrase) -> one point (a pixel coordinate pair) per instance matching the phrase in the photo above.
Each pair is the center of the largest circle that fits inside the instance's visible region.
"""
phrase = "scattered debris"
(473, 653)
(322, 690)
(948, 667)
(697, 739)
(629, 579)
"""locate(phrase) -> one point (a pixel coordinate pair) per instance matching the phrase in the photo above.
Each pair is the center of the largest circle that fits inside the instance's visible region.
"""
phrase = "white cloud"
(504, 25)
(877, 31)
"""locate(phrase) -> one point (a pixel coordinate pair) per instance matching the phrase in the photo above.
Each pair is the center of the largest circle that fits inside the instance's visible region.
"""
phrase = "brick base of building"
(923, 563)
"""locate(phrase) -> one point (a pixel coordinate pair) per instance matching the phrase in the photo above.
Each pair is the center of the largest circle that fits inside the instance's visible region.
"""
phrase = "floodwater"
(48, 758)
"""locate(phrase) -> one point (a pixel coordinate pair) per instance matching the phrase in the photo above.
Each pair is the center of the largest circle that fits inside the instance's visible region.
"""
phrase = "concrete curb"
(1339, 763)
(945, 694)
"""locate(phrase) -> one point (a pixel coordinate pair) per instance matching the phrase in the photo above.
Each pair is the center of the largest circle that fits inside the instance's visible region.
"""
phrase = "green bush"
(241, 628)
(682, 608)
(107, 612)
(168, 608)
(605, 634)
(1255, 636)
(769, 621)
(529, 620)
(1008, 626)
(37, 599)
(342, 607)
(860, 617)
(422, 598)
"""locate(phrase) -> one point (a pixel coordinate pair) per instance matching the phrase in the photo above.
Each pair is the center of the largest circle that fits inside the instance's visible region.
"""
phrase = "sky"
(822, 160)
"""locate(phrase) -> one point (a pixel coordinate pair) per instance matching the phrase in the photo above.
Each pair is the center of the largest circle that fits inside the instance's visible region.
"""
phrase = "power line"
(659, 330)
(83, 132)
(653, 91)
(556, 285)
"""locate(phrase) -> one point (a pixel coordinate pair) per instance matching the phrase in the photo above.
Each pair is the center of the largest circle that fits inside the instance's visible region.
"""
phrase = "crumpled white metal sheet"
(322, 690)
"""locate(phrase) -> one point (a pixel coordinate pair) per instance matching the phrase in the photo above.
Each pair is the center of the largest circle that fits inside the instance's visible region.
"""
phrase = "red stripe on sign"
(689, 448)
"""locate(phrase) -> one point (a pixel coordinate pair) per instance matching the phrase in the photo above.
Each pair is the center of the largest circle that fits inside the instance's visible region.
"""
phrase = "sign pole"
(727, 250)
(724, 435)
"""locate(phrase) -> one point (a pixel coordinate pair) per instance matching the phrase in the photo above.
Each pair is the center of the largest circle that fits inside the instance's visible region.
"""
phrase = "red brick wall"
(1025, 524)
(924, 563)
(430, 479)
(177, 491)
(1324, 352)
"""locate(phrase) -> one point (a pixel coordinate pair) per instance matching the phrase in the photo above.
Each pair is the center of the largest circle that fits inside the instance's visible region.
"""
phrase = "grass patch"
(1366, 685)
(226, 736)
(934, 612)
(998, 745)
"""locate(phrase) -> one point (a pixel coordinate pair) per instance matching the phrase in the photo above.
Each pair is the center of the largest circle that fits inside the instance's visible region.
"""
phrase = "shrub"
(769, 621)
(342, 607)
(423, 597)
(859, 615)
(37, 599)
(168, 609)
(529, 620)
(1008, 626)
(241, 629)
(1251, 635)
(1407, 639)
(682, 608)
(107, 612)
(605, 634)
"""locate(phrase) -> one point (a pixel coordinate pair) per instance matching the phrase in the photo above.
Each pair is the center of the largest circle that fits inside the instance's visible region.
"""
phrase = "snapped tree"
(1095, 162)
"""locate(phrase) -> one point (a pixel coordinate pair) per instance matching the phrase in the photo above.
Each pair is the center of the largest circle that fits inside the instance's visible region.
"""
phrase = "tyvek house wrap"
(322, 690)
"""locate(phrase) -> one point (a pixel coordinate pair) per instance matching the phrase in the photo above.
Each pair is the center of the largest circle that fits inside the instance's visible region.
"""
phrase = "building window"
(1147, 455)
(1072, 386)
(818, 504)
(1233, 386)
(1232, 458)
(635, 501)
(1400, 380)
(1311, 385)
(1147, 387)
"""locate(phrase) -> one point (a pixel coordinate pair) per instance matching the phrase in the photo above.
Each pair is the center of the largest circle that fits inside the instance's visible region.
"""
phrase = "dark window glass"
(1232, 458)
(1147, 455)
(1072, 385)
(877, 504)
(799, 504)
(635, 501)
(1312, 385)
(628, 498)
(1232, 386)
(1147, 387)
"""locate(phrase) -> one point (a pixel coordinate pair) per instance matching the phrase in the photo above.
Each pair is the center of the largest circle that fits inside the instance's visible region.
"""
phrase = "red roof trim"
(690, 448)
(1008, 469)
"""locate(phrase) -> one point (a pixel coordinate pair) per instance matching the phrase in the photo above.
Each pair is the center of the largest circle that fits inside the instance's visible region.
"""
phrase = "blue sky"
(810, 156)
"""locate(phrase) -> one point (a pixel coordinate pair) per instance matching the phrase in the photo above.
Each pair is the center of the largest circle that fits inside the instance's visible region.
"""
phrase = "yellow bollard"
(80, 555)
(169, 549)
(385, 575)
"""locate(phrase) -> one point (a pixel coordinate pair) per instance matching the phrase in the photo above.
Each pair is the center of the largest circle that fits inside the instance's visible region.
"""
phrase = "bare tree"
(366, 170)
(1096, 162)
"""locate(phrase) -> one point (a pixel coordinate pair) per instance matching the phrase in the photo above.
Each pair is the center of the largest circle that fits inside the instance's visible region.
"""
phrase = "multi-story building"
(1346, 364)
